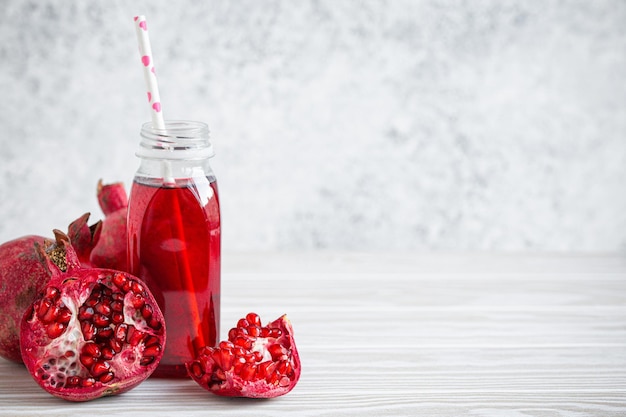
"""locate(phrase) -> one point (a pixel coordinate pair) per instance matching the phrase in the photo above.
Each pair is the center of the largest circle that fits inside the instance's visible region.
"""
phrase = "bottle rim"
(180, 139)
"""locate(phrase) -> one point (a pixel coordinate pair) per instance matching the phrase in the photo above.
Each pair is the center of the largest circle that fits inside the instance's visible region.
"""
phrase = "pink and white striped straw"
(145, 51)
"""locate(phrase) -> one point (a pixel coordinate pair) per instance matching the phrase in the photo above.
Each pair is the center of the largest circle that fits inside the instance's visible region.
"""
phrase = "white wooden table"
(393, 335)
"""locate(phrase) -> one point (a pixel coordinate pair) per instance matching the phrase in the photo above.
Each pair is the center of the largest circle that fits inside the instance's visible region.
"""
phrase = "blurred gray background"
(338, 124)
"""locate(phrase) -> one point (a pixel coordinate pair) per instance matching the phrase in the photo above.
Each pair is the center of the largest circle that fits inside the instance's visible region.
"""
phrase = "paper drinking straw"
(154, 98)
(147, 60)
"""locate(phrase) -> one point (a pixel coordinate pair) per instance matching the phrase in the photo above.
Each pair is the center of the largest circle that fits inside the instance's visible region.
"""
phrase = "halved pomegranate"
(91, 332)
(256, 361)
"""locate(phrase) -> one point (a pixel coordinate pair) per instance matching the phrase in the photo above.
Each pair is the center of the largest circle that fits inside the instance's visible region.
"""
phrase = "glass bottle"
(174, 237)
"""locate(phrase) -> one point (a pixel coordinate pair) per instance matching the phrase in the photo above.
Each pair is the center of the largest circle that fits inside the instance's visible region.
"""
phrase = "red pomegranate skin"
(22, 276)
(110, 250)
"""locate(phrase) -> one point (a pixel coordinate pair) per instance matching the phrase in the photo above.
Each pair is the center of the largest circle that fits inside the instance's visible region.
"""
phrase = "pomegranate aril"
(52, 293)
(275, 333)
(119, 280)
(103, 307)
(43, 307)
(65, 315)
(152, 350)
(154, 323)
(253, 319)
(104, 333)
(254, 331)
(100, 320)
(87, 360)
(85, 312)
(91, 349)
(242, 323)
(248, 371)
(195, 369)
(276, 351)
(134, 336)
(87, 382)
(117, 318)
(117, 305)
(137, 301)
(88, 330)
(151, 340)
(146, 360)
(121, 332)
(55, 330)
(51, 314)
(136, 287)
(146, 311)
(100, 368)
(107, 353)
(116, 345)
(108, 377)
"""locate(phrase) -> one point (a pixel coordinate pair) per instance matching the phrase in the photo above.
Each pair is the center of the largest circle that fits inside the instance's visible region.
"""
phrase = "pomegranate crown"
(59, 256)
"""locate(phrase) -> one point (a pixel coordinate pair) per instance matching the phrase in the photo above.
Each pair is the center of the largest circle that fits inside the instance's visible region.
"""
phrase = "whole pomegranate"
(90, 332)
(23, 274)
(256, 361)
(110, 251)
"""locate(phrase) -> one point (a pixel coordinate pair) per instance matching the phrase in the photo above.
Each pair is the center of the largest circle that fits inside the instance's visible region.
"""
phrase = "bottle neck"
(181, 150)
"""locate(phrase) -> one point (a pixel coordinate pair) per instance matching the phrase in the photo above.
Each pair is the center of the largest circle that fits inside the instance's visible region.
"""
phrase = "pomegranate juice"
(174, 246)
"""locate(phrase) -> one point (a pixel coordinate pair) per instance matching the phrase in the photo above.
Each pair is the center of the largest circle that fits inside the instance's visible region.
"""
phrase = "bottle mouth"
(180, 139)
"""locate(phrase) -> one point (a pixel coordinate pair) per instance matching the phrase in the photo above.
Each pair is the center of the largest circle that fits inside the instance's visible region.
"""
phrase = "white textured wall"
(364, 125)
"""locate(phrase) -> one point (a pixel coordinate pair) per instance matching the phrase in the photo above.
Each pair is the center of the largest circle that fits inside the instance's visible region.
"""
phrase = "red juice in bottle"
(174, 246)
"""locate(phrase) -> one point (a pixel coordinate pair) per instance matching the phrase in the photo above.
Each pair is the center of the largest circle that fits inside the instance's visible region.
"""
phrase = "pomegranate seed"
(100, 368)
(276, 351)
(87, 360)
(134, 337)
(91, 349)
(119, 280)
(254, 331)
(85, 312)
(88, 329)
(265, 332)
(103, 307)
(121, 331)
(266, 369)
(55, 330)
(146, 311)
(107, 353)
(275, 333)
(108, 377)
(253, 319)
(100, 320)
(65, 315)
(43, 308)
(146, 360)
(52, 293)
(248, 371)
(117, 318)
(151, 340)
(117, 305)
(51, 314)
(116, 345)
(242, 323)
(196, 369)
(87, 382)
(137, 300)
(284, 382)
(137, 287)
(104, 333)
(72, 381)
(152, 350)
